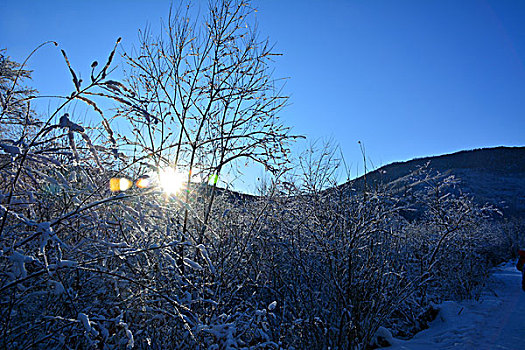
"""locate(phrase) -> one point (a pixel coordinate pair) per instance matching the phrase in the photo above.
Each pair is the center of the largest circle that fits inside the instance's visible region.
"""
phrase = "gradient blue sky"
(407, 78)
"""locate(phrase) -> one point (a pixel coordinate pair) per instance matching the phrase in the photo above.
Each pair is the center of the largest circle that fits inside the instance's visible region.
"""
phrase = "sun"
(170, 180)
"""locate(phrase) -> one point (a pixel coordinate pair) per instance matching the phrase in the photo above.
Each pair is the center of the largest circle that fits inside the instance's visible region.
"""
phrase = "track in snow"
(495, 322)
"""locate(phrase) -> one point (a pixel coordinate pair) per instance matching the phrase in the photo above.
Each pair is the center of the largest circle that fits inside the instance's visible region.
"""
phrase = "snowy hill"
(491, 175)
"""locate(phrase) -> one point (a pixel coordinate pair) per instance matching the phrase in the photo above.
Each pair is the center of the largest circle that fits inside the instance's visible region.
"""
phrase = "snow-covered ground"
(495, 322)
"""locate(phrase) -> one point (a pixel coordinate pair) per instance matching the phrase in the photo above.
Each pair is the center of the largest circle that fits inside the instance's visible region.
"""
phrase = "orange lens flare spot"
(114, 184)
(142, 183)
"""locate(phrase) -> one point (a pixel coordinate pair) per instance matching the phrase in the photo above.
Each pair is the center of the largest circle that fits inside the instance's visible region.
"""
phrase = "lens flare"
(213, 179)
(170, 180)
(143, 182)
(119, 184)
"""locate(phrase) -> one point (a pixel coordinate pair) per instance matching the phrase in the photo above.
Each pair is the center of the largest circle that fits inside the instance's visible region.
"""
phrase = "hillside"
(490, 175)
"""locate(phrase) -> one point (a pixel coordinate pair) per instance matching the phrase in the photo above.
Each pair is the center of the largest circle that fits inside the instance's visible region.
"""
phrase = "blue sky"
(407, 78)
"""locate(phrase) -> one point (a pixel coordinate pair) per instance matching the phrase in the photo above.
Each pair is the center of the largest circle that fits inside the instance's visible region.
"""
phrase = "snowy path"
(495, 322)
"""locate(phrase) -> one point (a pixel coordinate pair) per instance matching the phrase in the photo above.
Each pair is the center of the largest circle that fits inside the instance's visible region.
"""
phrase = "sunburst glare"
(170, 180)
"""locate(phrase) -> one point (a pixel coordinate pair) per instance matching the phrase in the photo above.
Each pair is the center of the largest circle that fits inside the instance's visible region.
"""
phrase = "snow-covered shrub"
(308, 263)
